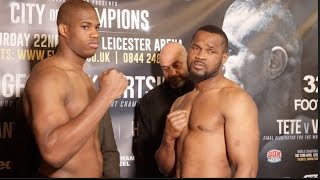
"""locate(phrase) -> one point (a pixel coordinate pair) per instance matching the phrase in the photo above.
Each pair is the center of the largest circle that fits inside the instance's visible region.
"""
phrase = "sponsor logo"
(274, 156)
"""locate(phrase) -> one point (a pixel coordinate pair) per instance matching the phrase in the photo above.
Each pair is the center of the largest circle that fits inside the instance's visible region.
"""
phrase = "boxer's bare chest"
(204, 111)
(81, 92)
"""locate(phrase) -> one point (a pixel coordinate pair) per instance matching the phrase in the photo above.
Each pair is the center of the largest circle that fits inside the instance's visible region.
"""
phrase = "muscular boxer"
(211, 131)
(60, 100)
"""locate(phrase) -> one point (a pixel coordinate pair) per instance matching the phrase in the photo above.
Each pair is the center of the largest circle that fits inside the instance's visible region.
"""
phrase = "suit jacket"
(110, 153)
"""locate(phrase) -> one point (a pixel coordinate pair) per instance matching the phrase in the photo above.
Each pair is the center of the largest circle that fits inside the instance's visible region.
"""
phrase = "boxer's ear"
(225, 57)
(62, 29)
(278, 62)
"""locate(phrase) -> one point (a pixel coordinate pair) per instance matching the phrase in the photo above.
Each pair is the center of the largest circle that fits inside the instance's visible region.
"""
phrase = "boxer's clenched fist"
(113, 83)
(175, 123)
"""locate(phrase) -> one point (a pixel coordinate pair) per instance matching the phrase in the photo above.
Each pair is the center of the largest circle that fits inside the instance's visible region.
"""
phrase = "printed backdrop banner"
(131, 35)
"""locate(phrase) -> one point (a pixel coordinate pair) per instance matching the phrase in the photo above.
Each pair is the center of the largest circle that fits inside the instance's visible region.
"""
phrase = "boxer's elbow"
(53, 156)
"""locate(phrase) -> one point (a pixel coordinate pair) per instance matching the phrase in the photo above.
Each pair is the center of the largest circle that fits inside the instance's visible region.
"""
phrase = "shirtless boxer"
(211, 131)
(61, 103)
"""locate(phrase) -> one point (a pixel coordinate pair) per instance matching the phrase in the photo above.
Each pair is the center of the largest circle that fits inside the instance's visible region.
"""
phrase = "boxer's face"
(82, 35)
(205, 55)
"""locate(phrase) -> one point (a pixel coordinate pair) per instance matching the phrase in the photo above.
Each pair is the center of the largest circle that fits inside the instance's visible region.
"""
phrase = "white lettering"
(289, 126)
(306, 104)
(12, 84)
(23, 13)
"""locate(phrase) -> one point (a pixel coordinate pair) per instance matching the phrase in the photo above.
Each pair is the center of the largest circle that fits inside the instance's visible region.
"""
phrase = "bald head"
(67, 10)
(265, 48)
(171, 52)
(173, 62)
(271, 20)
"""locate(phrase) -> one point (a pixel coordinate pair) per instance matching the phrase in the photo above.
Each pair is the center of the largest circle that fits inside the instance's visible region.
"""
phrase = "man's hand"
(175, 123)
(113, 83)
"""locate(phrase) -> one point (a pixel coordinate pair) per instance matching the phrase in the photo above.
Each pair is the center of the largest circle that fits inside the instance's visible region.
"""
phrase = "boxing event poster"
(131, 35)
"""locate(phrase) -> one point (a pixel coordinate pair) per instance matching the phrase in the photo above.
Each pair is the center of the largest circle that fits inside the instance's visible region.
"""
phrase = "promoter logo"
(274, 156)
